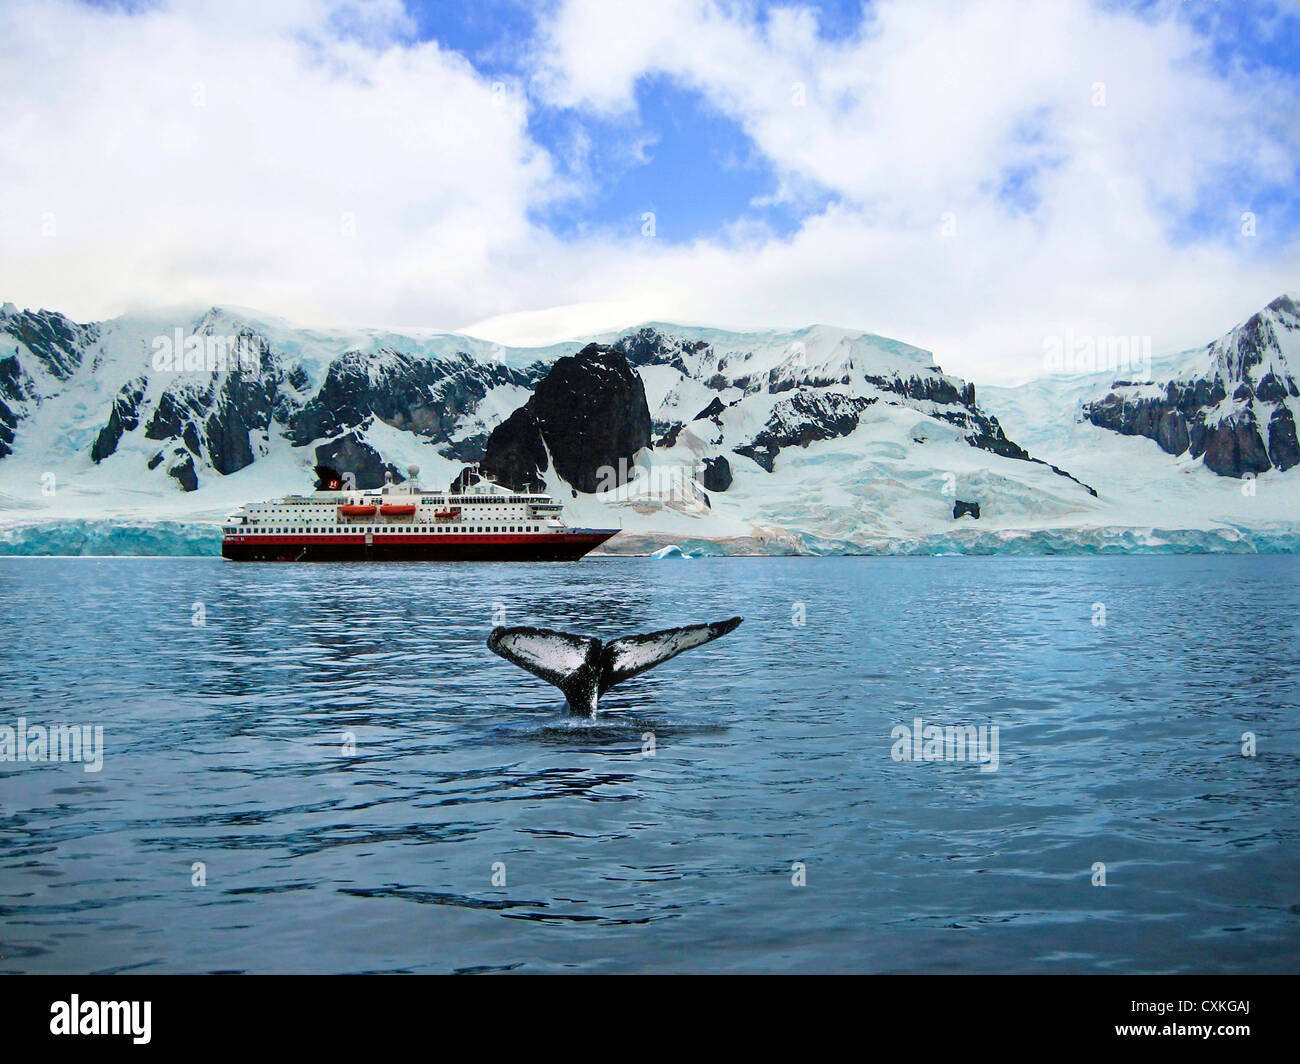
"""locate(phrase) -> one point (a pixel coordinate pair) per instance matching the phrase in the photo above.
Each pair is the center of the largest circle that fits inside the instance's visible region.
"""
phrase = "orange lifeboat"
(393, 509)
(447, 515)
(356, 511)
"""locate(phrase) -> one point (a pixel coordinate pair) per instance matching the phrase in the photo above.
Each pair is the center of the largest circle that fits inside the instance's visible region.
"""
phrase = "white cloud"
(315, 110)
(1118, 122)
(300, 157)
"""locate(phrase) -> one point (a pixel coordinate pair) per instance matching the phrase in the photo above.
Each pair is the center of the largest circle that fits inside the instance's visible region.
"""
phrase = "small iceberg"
(672, 551)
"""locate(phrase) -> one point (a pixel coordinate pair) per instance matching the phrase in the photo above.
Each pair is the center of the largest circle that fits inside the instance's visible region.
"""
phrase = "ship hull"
(547, 547)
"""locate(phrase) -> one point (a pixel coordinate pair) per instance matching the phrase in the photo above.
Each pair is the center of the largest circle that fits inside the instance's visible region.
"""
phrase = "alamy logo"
(202, 353)
(1126, 355)
(102, 1017)
(673, 481)
(59, 742)
(956, 742)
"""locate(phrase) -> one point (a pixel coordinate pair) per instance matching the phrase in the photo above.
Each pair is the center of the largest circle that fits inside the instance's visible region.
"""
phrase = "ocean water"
(320, 768)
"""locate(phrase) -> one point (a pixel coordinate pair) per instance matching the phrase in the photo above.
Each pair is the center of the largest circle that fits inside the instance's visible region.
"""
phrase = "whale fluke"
(584, 668)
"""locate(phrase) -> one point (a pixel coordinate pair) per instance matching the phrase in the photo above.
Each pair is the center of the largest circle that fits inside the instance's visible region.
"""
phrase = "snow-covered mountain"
(1233, 405)
(816, 440)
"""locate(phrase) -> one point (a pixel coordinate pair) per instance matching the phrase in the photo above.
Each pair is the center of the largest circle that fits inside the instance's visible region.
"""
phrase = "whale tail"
(584, 668)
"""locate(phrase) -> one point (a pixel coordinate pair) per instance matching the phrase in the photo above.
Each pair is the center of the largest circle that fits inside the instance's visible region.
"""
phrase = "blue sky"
(681, 159)
(698, 168)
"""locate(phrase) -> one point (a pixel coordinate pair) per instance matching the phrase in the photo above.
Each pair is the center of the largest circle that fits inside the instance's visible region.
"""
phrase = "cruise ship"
(482, 521)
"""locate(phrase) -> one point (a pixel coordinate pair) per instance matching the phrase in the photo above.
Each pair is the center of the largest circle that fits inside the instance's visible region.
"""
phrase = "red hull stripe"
(555, 546)
(297, 540)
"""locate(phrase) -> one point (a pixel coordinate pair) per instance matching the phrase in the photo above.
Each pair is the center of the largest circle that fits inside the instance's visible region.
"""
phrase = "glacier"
(91, 538)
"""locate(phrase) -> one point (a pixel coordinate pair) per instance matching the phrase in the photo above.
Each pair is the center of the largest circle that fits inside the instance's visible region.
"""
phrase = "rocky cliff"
(1234, 408)
(588, 415)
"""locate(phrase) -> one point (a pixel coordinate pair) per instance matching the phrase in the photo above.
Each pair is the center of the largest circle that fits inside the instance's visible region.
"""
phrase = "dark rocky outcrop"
(801, 419)
(716, 407)
(55, 348)
(182, 470)
(8, 422)
(469, 449)
(1194, 415)
(123, 417)
(224, 418)
(416, 394)
(57, 342)
(934, 389)
(984, 431)
(649, 347)
(11, 392)
(351, 454)
(589, 413)
(516, 453)
(715, 473)
(1283, 451)
(669, 438)
(1233, 447)
(962, 509)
